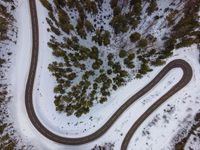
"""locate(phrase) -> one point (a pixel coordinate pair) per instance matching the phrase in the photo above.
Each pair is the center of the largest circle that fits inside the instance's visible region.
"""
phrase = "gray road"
(187, 75)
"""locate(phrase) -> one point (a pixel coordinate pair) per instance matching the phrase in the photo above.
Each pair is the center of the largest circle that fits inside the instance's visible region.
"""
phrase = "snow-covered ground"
(186, 102)
(19, 68)
(193, 141)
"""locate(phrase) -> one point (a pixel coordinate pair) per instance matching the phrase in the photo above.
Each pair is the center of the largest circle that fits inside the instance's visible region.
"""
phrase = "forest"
(99, 46)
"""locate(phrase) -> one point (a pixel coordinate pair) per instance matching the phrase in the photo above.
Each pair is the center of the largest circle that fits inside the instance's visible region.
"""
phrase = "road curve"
(187, 75)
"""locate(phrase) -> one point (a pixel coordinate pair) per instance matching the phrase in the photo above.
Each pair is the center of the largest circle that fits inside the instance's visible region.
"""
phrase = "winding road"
(187, 75)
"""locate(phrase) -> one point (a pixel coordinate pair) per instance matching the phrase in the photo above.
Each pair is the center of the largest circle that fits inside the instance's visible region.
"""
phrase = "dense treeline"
(5, 21)
(7, 141)
(186, 31)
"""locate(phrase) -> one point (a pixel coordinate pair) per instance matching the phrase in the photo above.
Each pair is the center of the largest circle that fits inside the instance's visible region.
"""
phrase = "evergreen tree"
(113, 3)
(135, 37)
(152, 7)
(47, 5)
(122, 53)
(142, 43)
(119, 23)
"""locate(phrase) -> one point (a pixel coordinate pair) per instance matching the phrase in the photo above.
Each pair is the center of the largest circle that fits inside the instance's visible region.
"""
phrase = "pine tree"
(135, 37)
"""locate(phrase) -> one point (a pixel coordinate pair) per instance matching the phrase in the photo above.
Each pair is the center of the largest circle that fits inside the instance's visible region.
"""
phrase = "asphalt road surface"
(187, 75)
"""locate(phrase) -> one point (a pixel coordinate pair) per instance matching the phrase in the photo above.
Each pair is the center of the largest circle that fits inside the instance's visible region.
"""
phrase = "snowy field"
(158, 136)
